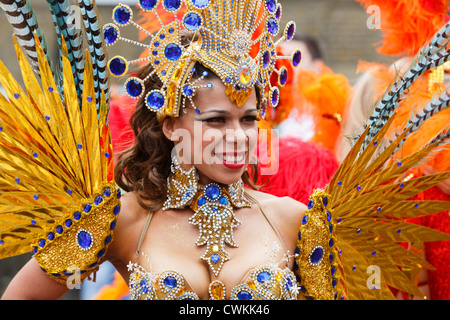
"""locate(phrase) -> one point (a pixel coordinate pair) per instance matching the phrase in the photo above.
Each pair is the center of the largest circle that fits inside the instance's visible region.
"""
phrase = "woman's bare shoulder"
(284, 209)
(129, 223)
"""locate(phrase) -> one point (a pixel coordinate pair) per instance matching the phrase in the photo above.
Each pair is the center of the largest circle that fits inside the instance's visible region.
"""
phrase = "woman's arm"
(31, 283)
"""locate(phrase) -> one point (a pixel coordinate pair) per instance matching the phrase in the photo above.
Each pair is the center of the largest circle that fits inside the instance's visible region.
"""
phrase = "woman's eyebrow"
(251, 110)
(227, 112)
(216, 111)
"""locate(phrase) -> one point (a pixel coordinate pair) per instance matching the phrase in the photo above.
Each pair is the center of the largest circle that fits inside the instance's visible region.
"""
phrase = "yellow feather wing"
(58, 197)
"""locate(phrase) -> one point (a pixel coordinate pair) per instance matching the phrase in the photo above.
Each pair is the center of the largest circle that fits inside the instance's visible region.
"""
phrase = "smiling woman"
(191, 224)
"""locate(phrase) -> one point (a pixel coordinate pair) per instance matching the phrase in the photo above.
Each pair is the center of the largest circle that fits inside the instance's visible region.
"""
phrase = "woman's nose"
(236, 136)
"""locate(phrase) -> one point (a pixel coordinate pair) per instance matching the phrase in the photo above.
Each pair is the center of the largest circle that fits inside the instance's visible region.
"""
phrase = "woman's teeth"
(231, 158)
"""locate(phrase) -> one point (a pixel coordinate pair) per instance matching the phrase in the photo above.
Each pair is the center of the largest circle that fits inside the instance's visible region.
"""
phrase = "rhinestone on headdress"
(227, 34)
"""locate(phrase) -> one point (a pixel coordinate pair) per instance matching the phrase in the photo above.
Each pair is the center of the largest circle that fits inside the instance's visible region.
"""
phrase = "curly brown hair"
(144, 167)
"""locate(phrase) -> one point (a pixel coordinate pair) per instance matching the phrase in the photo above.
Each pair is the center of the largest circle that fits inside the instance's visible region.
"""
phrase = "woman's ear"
(168, 128)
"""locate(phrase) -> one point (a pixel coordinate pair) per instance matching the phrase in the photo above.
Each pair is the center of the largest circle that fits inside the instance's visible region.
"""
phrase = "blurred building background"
(339, 25)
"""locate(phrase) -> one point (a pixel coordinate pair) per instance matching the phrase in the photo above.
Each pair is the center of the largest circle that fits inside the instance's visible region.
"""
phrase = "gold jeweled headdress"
(228, 33)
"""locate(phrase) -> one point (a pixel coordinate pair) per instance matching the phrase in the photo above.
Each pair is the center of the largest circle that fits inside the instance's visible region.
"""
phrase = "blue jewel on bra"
(244, 295)
(263, 276)
(170, 282)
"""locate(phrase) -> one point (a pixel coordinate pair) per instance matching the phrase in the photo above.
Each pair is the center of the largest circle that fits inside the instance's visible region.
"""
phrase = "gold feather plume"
(56, 169)
(349, 245)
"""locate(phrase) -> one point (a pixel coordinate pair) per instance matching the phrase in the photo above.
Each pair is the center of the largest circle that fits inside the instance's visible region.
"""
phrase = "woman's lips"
(235, 160)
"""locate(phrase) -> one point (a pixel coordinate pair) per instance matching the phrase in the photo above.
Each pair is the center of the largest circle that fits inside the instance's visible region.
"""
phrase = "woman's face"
(220, 139)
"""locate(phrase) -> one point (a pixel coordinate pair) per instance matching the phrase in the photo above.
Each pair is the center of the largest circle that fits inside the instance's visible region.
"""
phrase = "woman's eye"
(215, 120)
(250, 118)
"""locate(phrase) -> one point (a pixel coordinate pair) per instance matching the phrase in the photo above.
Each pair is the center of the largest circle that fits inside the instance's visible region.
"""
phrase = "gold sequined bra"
(265, 282)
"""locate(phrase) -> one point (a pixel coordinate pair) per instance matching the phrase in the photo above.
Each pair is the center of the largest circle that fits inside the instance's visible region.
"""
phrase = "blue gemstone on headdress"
(200, 4)
(68, 223)
(134, 88)
(77, 215)
(107, 192)
(290, 31)
(188, 90)
(244, 295)
(172, 52)
(117, 66)
(272, 26)
(271, 5)
(155, 100)
(215, 258)
(162, 36)
(325, 201)
(59, 229)
(84, 239)
(316, 255)
(16, 95)
(263, 276)
(148, 4)
(172, 5)
(170, 282)
(278, 13)
(296, 58)
(122, 14)
(192, 21)
(212, 191)
(274, 98)
(110, 34)
(42, 243)
(265, 59)
(310, 204)
(51, 236)
(283, 76)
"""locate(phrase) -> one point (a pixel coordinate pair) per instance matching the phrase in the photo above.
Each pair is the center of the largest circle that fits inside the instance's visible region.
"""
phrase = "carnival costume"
(407, 24)
(60, 201)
